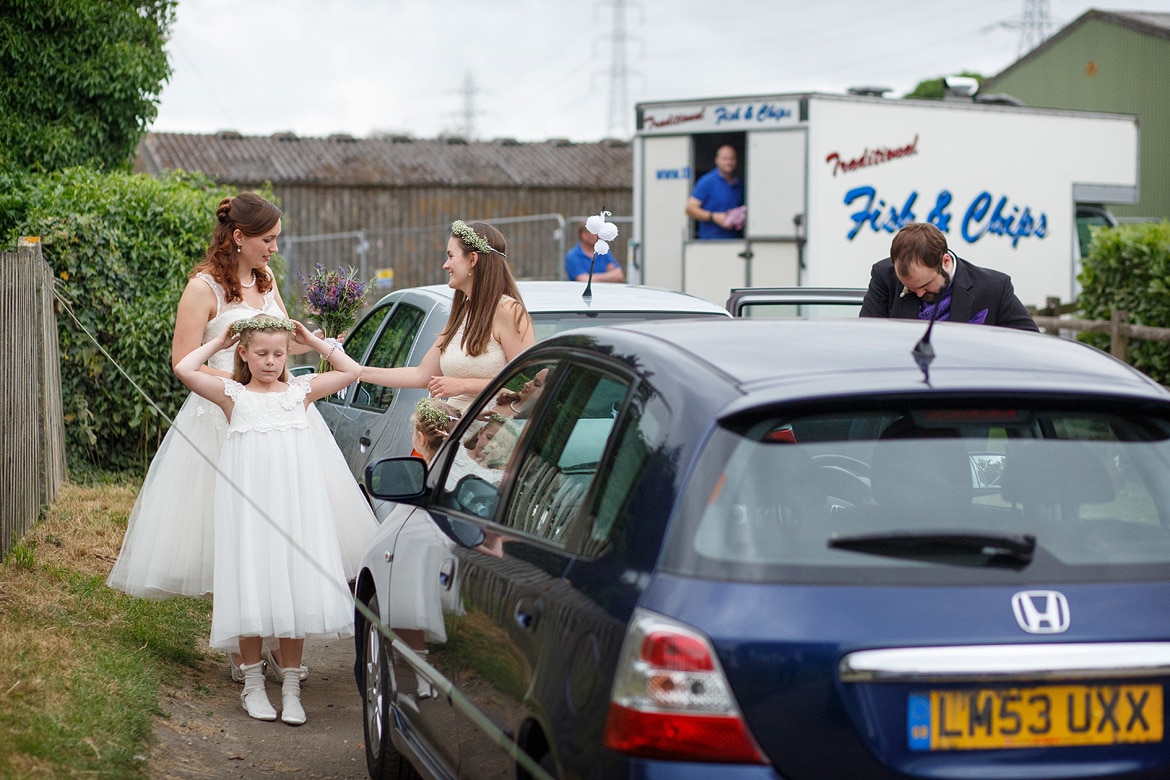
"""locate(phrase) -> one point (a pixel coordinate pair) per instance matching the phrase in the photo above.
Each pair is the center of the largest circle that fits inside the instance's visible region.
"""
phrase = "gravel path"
(207, 734)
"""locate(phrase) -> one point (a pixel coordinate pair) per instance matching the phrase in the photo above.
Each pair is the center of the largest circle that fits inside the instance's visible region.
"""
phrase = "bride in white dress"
(488, 325)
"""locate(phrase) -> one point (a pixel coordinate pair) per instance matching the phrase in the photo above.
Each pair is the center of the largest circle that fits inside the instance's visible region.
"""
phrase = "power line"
(618, 124)
(1035, 25)
(466, 124)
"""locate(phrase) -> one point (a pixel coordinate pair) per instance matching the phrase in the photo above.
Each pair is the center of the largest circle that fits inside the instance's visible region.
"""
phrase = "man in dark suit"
(922, 279)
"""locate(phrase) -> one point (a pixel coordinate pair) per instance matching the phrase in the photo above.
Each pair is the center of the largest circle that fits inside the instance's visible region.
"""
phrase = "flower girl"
(279, 568)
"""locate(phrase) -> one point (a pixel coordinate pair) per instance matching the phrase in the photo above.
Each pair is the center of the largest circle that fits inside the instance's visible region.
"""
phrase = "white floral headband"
(464, 233)
(263, 322)
(605, 231)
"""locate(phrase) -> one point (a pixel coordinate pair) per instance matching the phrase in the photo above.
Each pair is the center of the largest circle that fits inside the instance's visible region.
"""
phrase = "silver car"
(371, 422)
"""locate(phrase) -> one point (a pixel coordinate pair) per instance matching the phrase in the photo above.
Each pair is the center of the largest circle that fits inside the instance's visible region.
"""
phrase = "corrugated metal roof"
(1149, 22)
(283, 158)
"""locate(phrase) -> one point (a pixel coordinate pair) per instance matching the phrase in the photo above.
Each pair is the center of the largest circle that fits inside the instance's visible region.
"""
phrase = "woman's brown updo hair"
(252, 215)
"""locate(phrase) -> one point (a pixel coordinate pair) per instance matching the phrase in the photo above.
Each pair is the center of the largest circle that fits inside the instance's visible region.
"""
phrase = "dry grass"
(80, 665)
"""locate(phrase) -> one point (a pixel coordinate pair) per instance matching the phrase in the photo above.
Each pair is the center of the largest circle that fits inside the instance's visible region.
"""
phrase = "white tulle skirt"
(279, 569)
(169, 546)
(169, 543)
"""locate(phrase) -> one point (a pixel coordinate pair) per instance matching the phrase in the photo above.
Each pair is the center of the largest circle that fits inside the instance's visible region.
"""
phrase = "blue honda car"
(781, 549)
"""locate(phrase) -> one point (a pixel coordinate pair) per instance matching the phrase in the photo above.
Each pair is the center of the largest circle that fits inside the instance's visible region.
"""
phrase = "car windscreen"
(550, 323)
(906, 495)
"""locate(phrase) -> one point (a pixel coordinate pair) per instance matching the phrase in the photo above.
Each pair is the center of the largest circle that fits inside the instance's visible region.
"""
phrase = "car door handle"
(528, 614)
(364, 439)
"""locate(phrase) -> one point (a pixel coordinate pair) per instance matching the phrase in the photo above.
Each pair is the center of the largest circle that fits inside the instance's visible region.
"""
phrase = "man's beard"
(932, 297)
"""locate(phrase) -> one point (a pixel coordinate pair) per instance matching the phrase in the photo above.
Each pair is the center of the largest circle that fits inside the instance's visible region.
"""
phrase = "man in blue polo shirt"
(716, 201)
(582, 255)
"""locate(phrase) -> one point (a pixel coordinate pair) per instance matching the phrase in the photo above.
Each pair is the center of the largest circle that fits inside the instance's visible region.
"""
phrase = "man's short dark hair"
(918, 243)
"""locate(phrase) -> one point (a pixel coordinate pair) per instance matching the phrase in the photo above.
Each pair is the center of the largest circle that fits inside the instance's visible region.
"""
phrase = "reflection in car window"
(564, 450)
(484, 452)
(391, 351)
(1092, 489)
(643, 423)
(357, 341)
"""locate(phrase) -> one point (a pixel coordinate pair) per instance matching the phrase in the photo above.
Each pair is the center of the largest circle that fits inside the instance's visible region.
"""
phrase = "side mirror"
(398, 479)
(462, 532)
(476, 496)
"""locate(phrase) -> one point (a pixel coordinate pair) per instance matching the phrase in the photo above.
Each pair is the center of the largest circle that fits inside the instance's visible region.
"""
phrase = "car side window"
(557, 468)
(486, 447)
(641, 430)
(357, 341)
(390, 351)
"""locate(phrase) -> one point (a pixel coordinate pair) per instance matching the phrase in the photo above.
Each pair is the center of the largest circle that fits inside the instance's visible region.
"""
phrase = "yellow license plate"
(1053, 715)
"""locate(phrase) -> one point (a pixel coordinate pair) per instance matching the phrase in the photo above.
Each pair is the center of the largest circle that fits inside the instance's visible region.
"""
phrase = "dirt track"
(207, 734)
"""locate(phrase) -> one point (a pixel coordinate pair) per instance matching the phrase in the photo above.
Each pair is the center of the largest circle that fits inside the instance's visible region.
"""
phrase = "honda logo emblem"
(1041, 611)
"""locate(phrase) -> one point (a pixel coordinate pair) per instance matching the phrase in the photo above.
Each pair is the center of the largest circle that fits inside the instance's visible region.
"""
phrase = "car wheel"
(382, 759)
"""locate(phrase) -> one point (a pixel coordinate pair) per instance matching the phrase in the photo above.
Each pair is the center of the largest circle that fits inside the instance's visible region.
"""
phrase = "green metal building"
(1107, 61)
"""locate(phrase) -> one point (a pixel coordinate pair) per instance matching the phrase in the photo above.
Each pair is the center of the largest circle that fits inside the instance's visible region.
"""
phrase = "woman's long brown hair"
(493, 280)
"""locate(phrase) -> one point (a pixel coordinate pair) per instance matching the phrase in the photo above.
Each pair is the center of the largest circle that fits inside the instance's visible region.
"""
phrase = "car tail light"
(671, 699)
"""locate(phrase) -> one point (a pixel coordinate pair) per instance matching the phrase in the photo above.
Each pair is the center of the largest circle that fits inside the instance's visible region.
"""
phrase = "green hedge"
(121, 247)
(1128, 268)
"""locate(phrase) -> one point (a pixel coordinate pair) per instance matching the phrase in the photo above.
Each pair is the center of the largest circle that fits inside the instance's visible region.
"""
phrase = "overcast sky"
(541, 69)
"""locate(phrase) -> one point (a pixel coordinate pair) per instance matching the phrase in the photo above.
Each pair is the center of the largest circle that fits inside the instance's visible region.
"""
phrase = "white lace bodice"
(227, 313)
(264, 412)
(455, 362)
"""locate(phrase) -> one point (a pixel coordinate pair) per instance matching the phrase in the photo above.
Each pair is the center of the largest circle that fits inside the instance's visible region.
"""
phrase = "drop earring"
(239, 248)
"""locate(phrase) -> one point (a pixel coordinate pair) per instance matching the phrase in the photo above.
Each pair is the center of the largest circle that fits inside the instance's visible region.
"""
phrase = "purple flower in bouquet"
(334, 298)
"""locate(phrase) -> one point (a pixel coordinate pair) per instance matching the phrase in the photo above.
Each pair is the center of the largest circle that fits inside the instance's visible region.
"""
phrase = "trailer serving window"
(715, 195)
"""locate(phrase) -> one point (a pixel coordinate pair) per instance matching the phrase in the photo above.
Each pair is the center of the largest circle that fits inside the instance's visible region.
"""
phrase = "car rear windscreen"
(930, 495)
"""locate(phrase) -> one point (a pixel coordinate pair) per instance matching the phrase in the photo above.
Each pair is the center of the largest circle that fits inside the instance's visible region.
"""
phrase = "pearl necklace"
(249, 286)
(512, 404)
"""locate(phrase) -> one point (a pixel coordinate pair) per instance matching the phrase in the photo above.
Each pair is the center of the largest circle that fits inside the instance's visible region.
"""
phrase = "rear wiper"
(1008, 551)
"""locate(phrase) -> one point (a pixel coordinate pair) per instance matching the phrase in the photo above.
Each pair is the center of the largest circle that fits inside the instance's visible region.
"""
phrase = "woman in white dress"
(168, 549)
(278, 562)
(487, 327)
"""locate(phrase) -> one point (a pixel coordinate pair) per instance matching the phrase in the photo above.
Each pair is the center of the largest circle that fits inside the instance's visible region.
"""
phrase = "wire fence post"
(32, 450)
(1118, 341)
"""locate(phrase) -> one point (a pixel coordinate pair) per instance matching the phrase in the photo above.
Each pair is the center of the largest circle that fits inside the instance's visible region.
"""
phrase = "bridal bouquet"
(334, 299)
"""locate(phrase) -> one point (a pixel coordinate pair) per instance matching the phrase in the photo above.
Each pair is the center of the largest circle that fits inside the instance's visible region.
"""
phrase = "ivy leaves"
(80, 80)
(121, 247)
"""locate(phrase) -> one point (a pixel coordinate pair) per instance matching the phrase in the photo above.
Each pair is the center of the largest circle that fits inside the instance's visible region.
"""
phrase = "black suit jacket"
(973, 290)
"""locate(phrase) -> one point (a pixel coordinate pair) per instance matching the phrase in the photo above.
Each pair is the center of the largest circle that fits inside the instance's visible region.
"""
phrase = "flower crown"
(464, 233)
(263, 322)
(432, 415)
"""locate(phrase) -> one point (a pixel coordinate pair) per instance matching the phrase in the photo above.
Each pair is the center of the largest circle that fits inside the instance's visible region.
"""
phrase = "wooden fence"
(1120, 332)
(32, 443)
